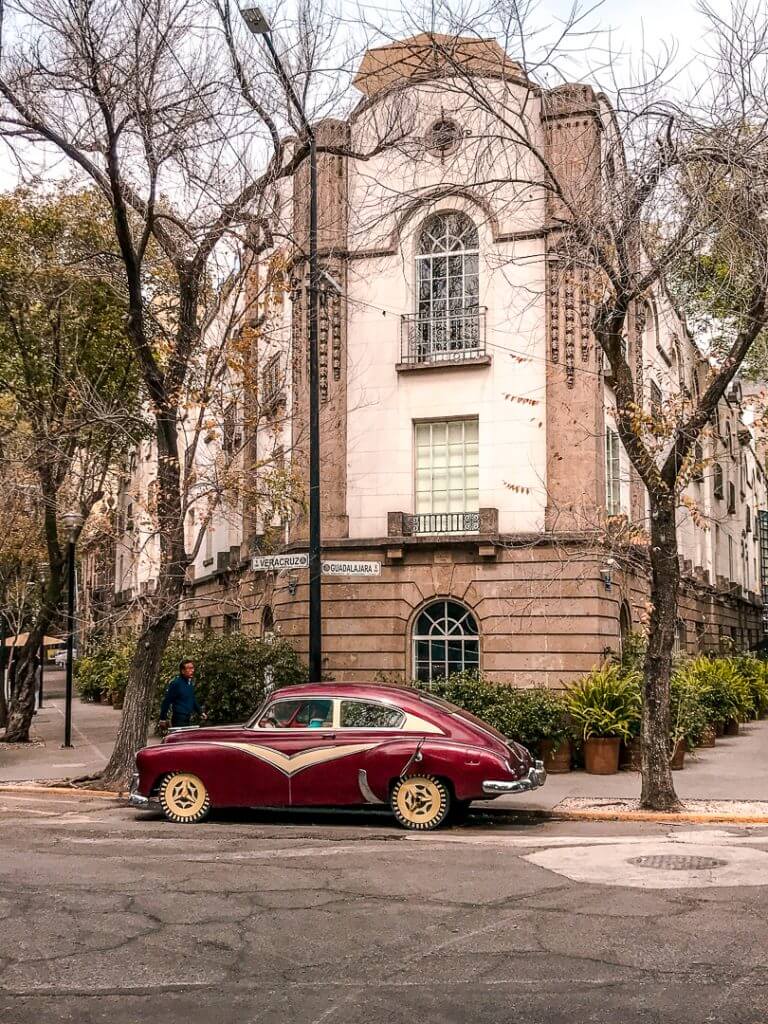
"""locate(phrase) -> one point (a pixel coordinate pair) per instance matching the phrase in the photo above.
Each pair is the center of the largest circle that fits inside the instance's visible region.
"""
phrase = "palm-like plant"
(606, 703)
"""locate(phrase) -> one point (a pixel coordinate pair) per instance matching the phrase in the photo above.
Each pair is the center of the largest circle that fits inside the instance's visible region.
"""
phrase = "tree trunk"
(22, 704)
(162, 610)
(658, 792)
(139, 694)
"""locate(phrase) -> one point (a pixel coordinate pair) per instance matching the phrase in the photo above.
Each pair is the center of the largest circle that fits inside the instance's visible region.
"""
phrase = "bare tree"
(640, 183)
(151, 100)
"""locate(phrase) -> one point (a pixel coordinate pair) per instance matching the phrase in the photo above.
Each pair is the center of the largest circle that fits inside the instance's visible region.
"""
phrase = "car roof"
(372, 691)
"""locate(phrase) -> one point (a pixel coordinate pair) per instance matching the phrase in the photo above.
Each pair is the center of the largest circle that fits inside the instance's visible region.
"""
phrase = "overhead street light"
(259, 25)
(71, 523)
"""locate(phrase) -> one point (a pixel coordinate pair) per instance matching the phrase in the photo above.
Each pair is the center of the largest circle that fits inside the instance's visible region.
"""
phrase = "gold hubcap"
(419, 800)
(185, 795)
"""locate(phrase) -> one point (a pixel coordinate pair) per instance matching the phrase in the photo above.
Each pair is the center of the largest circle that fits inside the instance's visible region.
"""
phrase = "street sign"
(271, 563)
(330, 567)
(338, 568)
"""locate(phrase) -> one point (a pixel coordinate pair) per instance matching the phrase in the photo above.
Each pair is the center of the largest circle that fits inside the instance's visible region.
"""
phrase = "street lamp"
(259, 25)
(71, 521)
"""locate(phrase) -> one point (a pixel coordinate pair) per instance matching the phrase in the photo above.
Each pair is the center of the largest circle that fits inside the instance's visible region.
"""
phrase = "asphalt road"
(113, 916)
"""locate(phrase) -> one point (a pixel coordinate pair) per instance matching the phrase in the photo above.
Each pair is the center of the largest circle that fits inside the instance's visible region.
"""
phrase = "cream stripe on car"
(290, 764)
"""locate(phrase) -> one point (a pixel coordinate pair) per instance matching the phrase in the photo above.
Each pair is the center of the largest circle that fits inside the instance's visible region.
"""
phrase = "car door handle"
(328, 736)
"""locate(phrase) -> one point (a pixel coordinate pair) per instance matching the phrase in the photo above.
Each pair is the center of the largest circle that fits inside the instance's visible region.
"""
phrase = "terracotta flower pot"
(630, 756)
(731, 727)
(707, 738)
(556, 758)
(117, 703)
(601, 755)
(677, 760)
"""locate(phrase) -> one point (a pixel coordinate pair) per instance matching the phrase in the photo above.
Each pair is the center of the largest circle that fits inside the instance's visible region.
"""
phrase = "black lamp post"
(259, 26)
(71, 522)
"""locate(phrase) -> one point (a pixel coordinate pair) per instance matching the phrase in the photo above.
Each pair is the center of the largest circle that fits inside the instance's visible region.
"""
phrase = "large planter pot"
(719, 729)
(117, 703)
(731, 728)
(601, 755)
(677, 760)
(631, 756)
(707, 738)
(556, 758)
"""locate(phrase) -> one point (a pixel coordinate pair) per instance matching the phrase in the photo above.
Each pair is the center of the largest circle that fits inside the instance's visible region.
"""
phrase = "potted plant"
(719, 690)
(605, 706)
(542, 724)
(688, 717)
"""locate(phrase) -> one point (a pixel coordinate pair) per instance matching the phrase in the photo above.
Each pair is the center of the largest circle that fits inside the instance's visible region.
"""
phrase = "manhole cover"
(677, 862)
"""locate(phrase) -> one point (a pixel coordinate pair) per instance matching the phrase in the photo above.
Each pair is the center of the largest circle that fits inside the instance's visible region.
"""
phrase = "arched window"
(445, 640)
(729, 438)
(625, 626)
(447, 267)
(681, 640)
(267, 623)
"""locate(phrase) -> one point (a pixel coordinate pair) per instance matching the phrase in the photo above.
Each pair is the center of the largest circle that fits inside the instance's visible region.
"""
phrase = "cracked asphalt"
(110, 915)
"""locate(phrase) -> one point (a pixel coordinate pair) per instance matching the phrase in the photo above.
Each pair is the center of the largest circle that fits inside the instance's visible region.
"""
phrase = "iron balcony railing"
(453, 338)
(442, 522)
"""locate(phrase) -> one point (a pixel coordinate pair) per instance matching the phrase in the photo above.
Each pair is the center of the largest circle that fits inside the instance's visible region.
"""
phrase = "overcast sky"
(631, 28)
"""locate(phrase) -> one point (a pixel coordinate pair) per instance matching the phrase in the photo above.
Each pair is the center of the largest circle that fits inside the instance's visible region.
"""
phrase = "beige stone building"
(468, 438)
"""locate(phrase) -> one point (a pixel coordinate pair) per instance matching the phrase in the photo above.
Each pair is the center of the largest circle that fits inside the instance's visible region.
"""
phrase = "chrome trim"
(137, 800)
(365, 790)
(536, 777)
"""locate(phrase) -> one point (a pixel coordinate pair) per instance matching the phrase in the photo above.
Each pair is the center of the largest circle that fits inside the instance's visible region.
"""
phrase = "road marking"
(84, 764)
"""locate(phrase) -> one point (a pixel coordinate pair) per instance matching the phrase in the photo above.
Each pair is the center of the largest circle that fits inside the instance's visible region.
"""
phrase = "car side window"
(297, 714)
(357, 714)
(279, 715)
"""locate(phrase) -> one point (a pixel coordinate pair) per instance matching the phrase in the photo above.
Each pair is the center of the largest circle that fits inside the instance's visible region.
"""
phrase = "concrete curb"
(98, 794)
(659, 817)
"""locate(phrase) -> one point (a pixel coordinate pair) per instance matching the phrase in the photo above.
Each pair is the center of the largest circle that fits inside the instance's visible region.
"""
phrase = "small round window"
(443, 137)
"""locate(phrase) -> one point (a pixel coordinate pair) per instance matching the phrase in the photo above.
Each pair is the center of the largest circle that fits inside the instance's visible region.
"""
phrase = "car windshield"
(458, 712)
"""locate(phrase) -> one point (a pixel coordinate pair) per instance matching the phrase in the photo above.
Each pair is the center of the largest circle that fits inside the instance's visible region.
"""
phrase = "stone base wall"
(544, 613)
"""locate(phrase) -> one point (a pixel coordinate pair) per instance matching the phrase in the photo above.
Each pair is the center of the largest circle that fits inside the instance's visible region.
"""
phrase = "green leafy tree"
(68, 386)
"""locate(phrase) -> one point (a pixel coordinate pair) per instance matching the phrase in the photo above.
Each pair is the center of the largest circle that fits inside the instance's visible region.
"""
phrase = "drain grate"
(677, 862)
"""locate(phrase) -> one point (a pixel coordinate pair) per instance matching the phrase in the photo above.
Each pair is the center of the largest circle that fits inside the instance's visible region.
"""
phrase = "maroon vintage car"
(338, 745)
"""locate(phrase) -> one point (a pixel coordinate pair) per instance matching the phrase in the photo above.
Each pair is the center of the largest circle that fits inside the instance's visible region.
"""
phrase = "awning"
(21, 638)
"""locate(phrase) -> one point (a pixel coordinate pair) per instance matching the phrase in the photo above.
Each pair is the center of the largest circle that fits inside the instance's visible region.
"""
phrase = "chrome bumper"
(135, 799)
(536, 777)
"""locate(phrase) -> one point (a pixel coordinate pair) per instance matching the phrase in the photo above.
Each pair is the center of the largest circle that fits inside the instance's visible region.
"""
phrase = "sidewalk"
(735, 769)
(94, 727)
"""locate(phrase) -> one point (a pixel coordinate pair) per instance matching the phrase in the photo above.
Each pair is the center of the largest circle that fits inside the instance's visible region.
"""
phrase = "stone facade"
(527, 557)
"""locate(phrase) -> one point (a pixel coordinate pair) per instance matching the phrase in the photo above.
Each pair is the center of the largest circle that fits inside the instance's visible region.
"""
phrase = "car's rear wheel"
(420, 802)
(184, 798)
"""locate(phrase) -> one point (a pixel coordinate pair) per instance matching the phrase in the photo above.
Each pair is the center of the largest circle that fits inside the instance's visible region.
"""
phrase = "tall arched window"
(625, 626)
(447, 267)
(445, 640)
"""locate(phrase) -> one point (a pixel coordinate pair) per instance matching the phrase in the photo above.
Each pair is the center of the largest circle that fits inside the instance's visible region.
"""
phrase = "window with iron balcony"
(448, 326)
(446, 485)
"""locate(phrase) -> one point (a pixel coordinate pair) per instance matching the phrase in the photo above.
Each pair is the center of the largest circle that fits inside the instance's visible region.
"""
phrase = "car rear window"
(458, 712)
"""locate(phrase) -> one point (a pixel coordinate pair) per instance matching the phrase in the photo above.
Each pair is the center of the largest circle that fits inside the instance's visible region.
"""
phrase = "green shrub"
(526, 715)
(232, 672)
(606, 703)
(723, 692)
(105, 669)
(755, 674)
(688, 716)
(541, 715)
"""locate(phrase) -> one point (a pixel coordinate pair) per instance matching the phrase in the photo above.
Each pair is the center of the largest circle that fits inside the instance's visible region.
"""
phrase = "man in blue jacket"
(180, 698)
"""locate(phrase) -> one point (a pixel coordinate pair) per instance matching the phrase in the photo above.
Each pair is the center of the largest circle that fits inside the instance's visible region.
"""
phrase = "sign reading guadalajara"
(338, 568)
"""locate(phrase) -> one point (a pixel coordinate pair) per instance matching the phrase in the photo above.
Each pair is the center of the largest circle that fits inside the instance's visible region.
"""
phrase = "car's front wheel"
(184, 798)
(420, 802)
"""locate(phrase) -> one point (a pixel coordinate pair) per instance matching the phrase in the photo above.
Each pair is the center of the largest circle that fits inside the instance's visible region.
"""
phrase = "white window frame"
(613, 506)
(439, 461)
